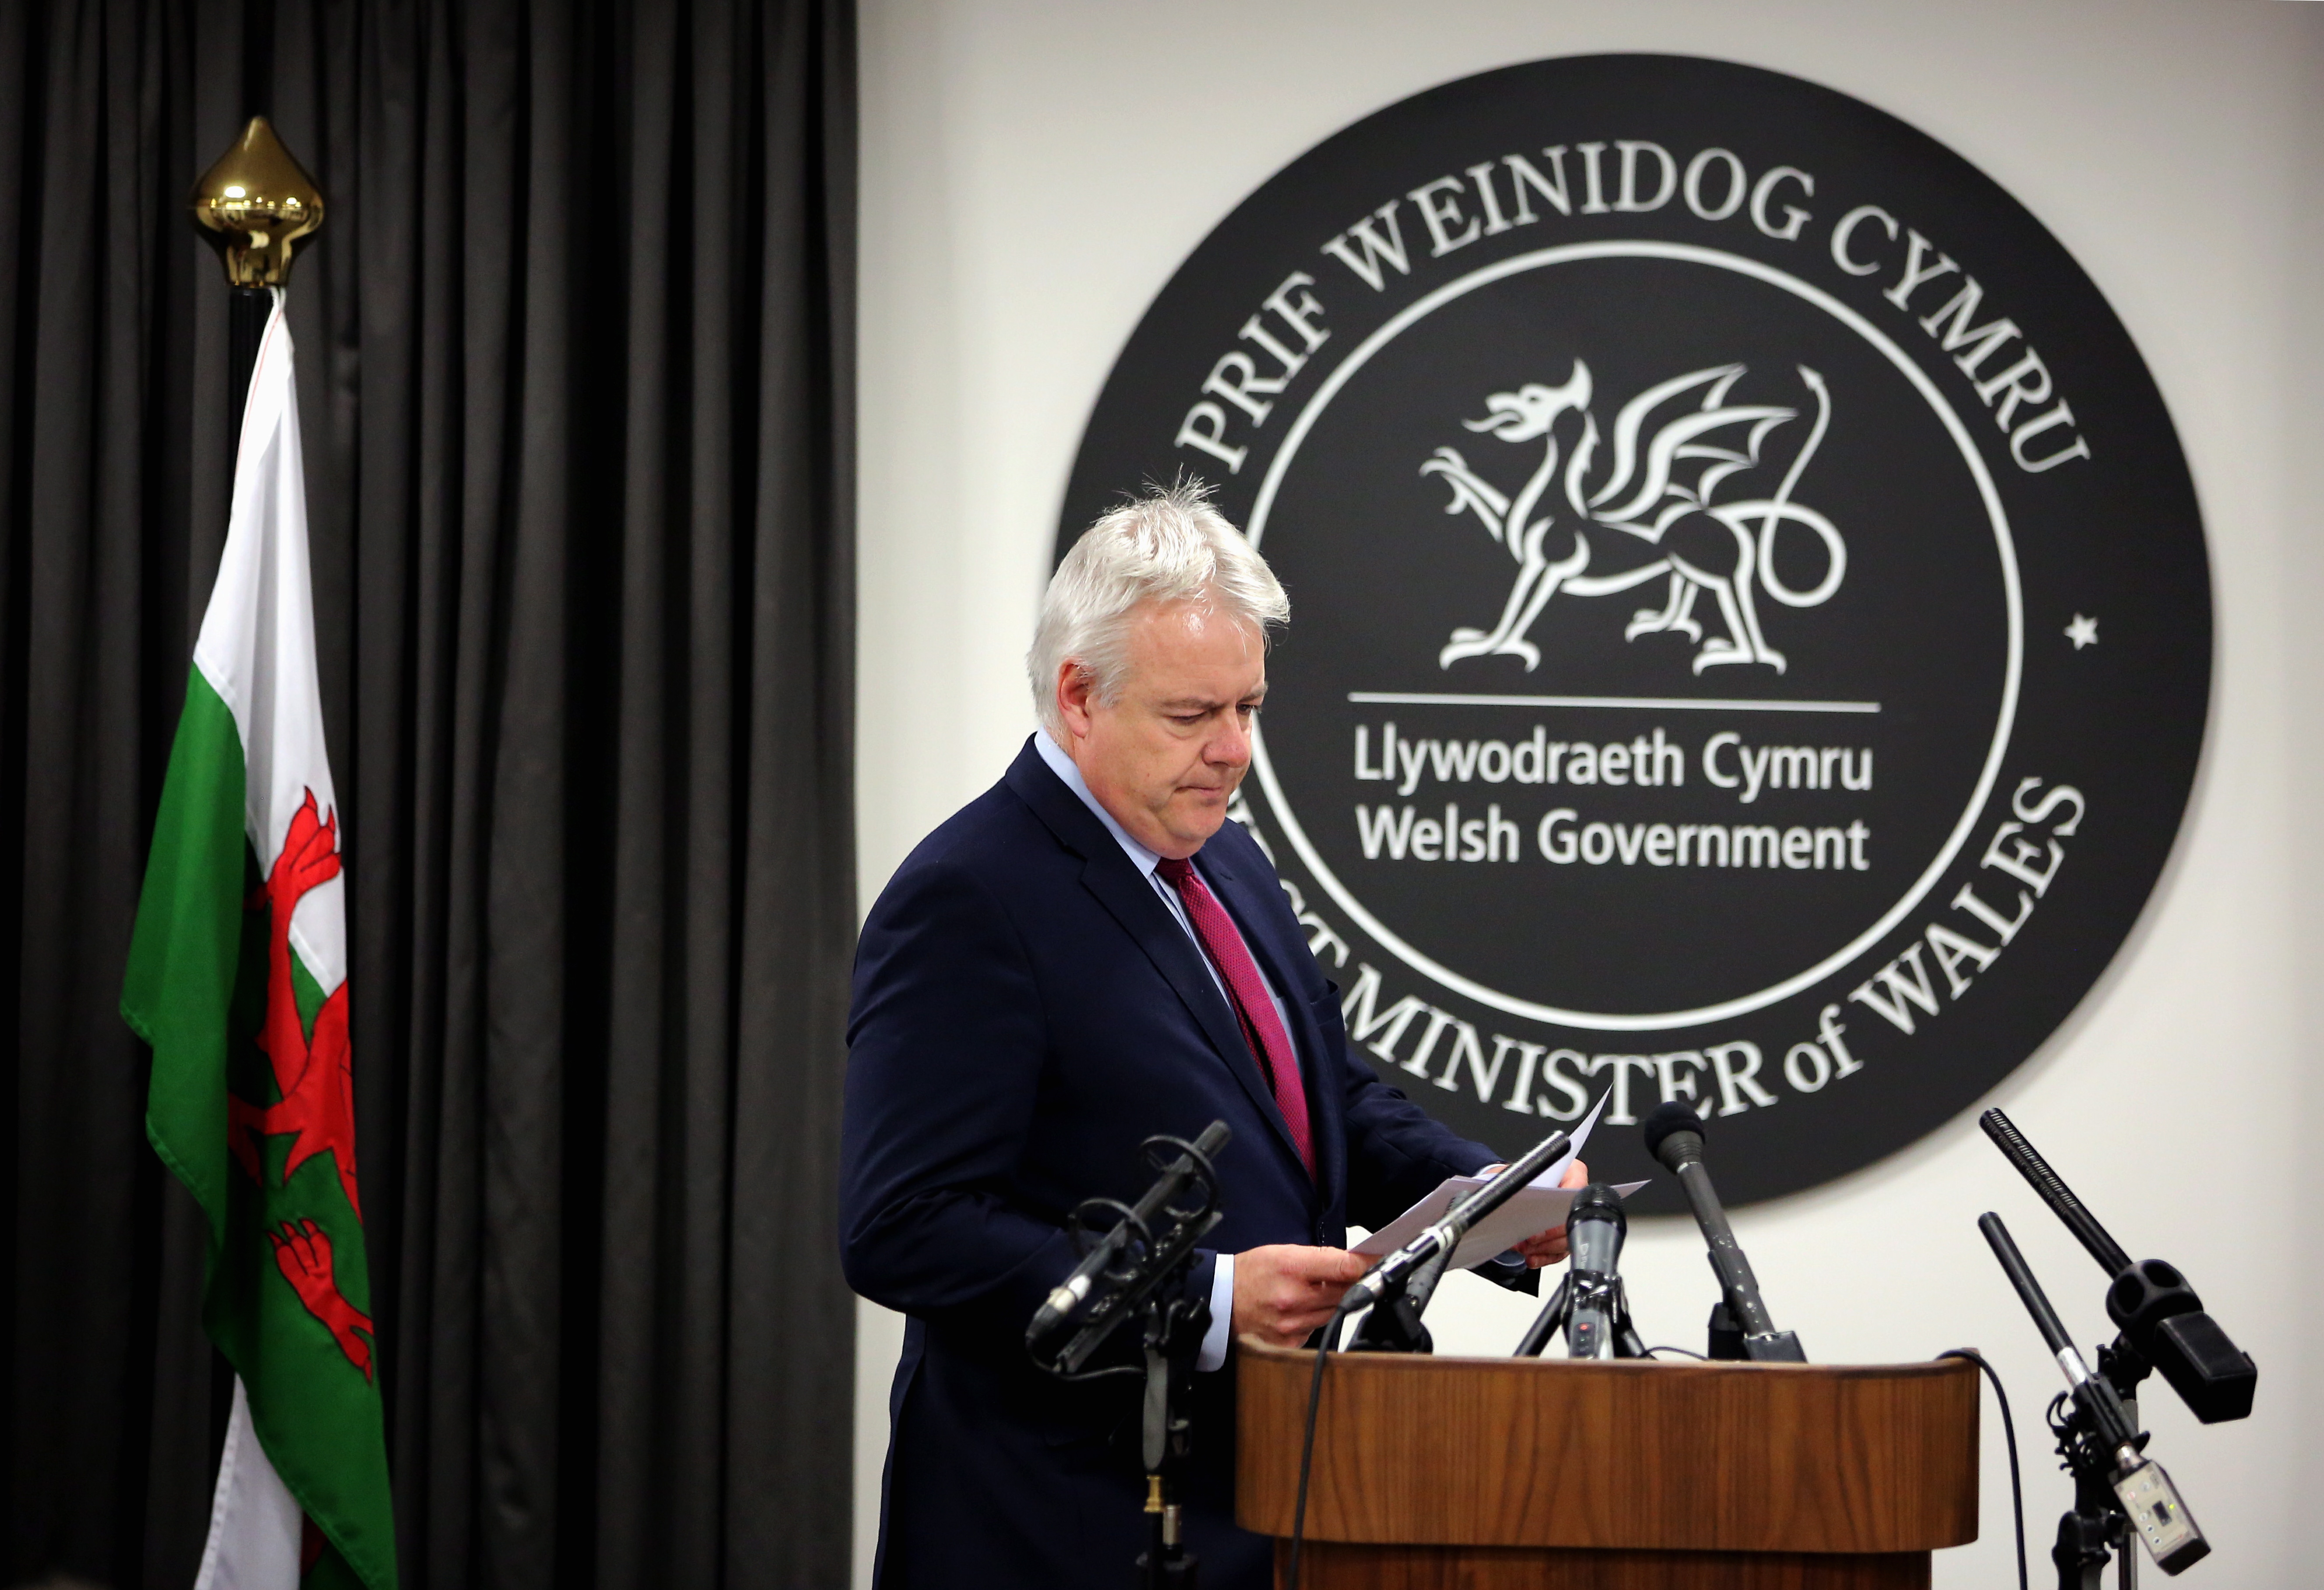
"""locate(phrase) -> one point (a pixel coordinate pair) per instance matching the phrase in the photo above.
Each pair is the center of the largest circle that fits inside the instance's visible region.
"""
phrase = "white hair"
(1167, 546)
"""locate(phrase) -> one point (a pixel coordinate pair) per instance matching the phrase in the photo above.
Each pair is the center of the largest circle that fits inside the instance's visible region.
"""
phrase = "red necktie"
(1262, 1029)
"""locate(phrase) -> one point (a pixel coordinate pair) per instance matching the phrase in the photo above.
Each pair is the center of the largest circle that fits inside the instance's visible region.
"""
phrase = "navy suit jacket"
(1026, 1012)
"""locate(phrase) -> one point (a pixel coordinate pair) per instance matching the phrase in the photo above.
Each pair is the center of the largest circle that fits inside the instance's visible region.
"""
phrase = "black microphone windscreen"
(1597, 1201)
(1665, 1119)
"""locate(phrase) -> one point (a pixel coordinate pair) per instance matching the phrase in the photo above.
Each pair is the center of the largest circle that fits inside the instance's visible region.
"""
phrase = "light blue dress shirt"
(1213, 1351)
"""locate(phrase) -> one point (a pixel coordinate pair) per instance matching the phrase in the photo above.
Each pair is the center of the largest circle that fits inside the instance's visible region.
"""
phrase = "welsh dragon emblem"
(1644, 503)
(312, 1074)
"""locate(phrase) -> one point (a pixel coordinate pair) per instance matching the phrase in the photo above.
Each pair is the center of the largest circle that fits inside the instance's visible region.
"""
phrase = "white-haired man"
(1049, 978)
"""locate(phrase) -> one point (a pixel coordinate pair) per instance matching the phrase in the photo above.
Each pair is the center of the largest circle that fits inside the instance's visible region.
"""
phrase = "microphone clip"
(2162, 1323)
(1607, 1296)
(1130, 1256)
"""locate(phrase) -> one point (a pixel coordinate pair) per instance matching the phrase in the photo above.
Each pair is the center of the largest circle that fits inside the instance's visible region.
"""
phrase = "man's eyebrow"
(1209, 702)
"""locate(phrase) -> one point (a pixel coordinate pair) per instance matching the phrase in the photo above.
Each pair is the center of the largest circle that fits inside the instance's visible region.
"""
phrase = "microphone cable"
(1505, 1184)
(1324, 1342)
(2009, 1433)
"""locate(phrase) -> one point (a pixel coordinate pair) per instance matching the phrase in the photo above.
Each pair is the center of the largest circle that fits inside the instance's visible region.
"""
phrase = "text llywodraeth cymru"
(1567, 835)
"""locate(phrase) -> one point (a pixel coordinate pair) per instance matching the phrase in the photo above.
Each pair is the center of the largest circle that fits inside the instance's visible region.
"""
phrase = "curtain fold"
(577, 384)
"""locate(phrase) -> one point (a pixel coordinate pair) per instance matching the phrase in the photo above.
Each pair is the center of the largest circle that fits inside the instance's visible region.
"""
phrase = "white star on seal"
(2082, 631)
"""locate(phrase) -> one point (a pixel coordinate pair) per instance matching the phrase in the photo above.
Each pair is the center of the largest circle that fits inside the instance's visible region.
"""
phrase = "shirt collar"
(1061, 764)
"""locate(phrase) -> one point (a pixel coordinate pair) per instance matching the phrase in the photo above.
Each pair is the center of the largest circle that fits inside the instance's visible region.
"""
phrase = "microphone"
(1594, 1229)
(2150, 1302)
(2147, 1495)
(1137, 1226)
(1394, 1272)
(1674, 1134)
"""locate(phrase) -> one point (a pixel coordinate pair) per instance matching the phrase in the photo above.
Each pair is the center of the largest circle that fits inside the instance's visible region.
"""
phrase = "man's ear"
(1075, 689)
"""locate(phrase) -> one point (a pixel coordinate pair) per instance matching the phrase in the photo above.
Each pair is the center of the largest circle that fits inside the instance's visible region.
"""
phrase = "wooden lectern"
(1475, 1473)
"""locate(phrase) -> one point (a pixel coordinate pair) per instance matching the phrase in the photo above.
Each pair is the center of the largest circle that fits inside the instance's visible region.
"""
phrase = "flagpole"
(253, 204)
(312, 1485)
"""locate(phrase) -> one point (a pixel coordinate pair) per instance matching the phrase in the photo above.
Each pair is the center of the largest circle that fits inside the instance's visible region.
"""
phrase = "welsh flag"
(237, 977)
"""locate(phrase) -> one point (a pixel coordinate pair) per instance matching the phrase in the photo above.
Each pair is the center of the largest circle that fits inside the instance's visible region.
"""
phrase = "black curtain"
(576, 378)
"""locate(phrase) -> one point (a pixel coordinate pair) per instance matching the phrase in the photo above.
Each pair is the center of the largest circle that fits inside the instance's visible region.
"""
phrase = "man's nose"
(1231, 745)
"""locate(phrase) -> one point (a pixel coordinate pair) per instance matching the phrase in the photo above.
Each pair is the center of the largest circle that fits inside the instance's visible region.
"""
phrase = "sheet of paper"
(1538, 1208)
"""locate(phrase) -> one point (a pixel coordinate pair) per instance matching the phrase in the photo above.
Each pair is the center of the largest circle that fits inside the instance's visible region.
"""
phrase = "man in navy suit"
(1049, 978)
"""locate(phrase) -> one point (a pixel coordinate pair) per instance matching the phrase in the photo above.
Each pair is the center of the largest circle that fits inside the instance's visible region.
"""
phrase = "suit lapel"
(1142, 915)
(1129, 897)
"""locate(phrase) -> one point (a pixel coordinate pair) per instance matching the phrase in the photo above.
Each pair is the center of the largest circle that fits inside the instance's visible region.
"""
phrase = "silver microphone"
(1594, 1230)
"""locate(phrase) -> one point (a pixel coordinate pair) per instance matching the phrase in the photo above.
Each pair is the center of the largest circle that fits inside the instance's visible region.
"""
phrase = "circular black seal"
(1751, 632)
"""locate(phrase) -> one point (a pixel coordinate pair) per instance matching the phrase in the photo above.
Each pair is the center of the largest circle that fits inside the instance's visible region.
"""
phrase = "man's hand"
(1283, 1294)
(1548, 1247)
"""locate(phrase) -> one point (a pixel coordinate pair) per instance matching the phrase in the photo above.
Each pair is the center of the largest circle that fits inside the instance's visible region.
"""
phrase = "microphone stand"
(2097, 1527)
(2119, 1493)
(2157, 1313)
(1172, 1336)
(1393, 1324)
(2092, 1532)
(1171, 1327)
(1557, 1315)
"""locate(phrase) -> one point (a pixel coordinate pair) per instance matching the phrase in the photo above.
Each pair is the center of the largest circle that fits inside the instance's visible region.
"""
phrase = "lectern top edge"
(1554, 1454)
(1421, 1364)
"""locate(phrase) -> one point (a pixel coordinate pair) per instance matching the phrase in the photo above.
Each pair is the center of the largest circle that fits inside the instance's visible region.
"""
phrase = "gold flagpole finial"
(255, 203)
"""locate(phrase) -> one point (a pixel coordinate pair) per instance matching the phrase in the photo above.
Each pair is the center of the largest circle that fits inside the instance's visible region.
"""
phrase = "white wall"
(1034, 172)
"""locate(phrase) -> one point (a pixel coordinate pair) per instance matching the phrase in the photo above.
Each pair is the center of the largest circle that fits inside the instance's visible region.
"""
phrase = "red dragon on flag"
(312, 1071)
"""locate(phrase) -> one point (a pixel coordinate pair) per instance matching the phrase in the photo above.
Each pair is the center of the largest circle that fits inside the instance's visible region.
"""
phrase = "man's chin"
(1193, 822)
